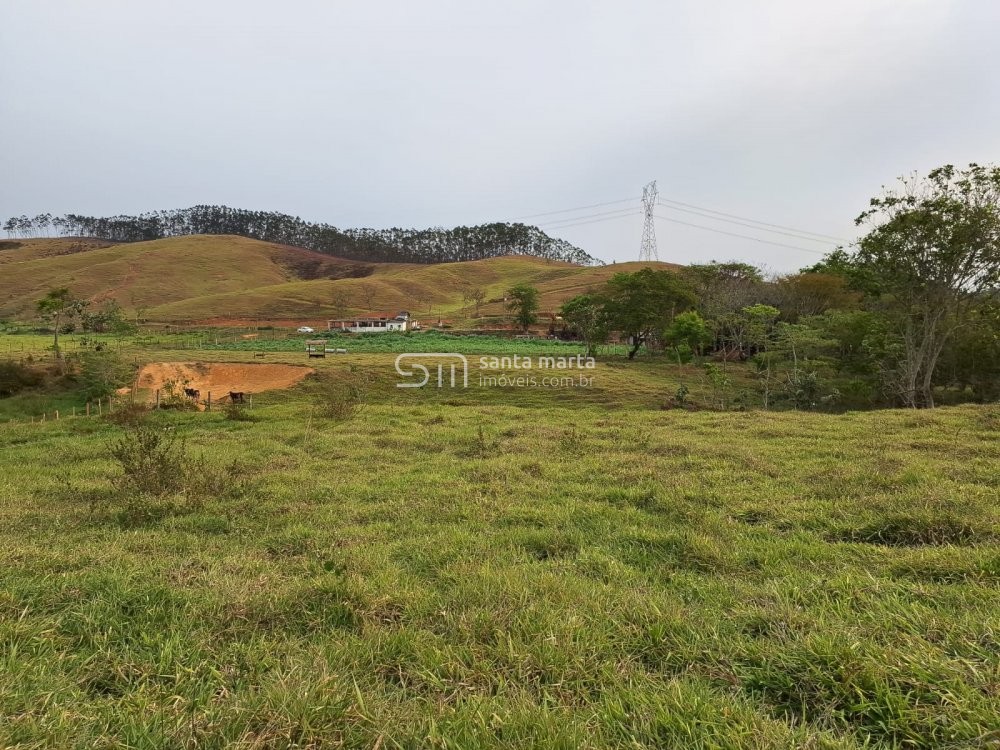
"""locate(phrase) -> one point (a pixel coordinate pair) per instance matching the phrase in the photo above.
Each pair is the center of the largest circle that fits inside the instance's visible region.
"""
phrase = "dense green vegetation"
(909, 318)
(499, 568)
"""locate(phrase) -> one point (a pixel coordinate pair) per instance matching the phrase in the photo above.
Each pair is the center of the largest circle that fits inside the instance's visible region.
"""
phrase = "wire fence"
(110, 405)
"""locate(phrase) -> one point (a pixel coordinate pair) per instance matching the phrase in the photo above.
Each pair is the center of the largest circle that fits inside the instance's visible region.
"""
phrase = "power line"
(568, 222)
(630, 210)
(741, 236)
(745, 224)
(571, 210)
(744, 218)
(558, 227)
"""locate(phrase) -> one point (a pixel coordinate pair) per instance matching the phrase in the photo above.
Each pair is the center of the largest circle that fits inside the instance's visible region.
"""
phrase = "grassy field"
(501, 568)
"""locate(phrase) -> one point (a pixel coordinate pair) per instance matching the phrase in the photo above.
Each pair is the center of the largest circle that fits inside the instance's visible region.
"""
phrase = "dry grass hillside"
(225, 278)
(147, 274)
(17, 251)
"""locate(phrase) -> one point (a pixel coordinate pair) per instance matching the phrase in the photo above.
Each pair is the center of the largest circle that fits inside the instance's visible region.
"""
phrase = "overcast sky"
(445, 112)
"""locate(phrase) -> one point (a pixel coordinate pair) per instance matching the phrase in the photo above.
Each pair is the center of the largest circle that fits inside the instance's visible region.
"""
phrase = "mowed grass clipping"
(429, 570)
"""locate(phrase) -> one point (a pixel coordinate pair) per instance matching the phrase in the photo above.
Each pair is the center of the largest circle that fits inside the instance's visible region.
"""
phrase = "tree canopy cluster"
(434, 245)
(907, 317)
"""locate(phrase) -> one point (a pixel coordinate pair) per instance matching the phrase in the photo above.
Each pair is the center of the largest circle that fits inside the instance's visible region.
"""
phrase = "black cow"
(192, 393)
(236, 397)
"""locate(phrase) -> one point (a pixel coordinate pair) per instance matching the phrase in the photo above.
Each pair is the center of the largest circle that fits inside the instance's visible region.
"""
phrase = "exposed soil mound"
(220, 377)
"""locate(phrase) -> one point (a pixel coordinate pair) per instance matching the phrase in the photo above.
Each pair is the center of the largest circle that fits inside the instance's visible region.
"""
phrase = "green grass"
(430, 341)
(506, 568)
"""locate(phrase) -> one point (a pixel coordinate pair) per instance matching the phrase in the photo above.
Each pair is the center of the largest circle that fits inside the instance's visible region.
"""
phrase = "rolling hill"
(210, 279)
(146, 274)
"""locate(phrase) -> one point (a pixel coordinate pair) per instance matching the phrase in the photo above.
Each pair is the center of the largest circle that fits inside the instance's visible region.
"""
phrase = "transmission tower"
(647, 251)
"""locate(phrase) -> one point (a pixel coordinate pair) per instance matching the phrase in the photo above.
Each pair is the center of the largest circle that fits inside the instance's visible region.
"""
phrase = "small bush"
(481, 446)
(172, 396)
(681, 396)
(152, 461)
(16, 377)
(128, 414)
(571, 441)
(237, 412)
(157, 469)
(339, 399)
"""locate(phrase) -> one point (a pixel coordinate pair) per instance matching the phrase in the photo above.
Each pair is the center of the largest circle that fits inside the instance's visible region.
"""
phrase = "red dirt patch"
(220, 377)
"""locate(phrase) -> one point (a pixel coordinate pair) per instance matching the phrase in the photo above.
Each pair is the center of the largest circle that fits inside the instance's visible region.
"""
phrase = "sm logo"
(445, 369)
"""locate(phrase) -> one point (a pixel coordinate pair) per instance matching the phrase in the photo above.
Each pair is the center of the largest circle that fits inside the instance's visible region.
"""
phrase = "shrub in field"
(101, 373)
(234, 411)
(681, 396)
(720, 383)
(157, 470)
(151, 460)
(128, 414)
(172, 396)
(339, 399)
(16, 377)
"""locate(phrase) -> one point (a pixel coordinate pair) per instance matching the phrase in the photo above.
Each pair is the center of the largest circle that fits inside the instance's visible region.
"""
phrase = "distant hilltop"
(434, 245)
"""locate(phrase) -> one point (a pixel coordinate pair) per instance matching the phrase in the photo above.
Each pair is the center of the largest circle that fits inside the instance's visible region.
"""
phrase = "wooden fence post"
(100, 408)
(88, 408)
(157, 398)
(208, 402)
(57, 415)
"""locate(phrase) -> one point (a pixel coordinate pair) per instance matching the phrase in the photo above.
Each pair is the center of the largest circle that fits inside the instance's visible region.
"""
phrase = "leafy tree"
(340, 303)
(720, 383)
(757, 335)
(688, 332)
(369, 293)
(841, 263)
(805, 294)
(522, 301)
(971, 358)
(474, 296)
(642, 304)
(586, 313)
(745, 332)
(723, 288)
(109, 318)
(858, 337)
(59, 306)
(934, 249)
(102, 372)
(760, 322)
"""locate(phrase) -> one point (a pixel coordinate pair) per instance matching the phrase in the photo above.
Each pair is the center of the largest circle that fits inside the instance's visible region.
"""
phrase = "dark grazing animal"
(236, 397)
(192, 393)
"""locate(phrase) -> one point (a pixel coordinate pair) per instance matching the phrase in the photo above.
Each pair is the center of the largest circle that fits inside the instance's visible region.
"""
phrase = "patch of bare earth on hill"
(218, 378)
(308, 265)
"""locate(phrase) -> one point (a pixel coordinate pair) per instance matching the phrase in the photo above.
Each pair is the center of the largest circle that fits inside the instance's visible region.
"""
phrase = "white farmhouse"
(374, 324)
